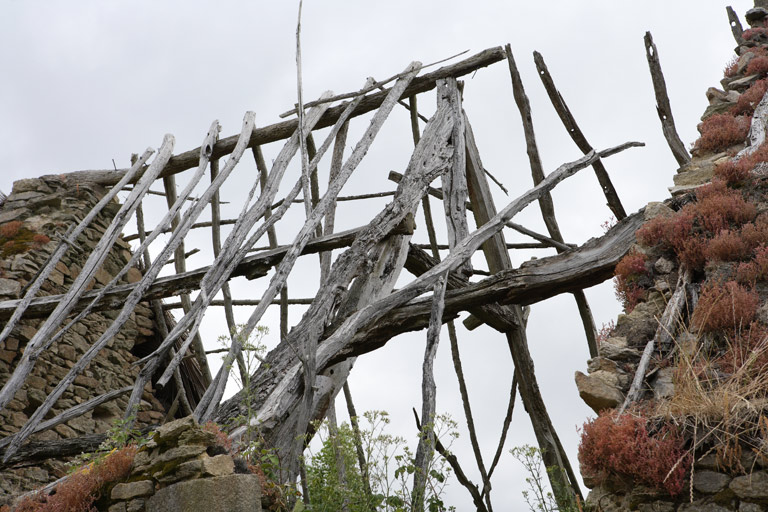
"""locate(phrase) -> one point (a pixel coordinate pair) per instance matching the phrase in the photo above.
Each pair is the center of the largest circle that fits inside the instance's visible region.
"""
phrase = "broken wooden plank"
(663, 108)
(614, 203)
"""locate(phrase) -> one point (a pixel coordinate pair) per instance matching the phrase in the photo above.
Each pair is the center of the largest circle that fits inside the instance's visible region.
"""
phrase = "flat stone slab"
(232, 493)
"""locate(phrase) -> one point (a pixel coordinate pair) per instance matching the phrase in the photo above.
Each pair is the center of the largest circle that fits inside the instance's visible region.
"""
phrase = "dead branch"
(614, 203)
(663, 108)
(664, 333)
(546, 205)
(451, 459)
(735, 23)
(425, 448)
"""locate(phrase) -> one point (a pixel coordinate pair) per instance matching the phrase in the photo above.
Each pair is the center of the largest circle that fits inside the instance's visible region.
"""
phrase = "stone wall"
(183, 468)
(32, 220)
(724, 477)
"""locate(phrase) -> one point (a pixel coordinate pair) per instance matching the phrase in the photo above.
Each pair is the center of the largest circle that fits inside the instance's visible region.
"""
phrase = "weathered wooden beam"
(498, 259)
(546, 205)
(735, 23)
(614, 203)
(663, 108)
(285, 129)
(180, 265)
(538, 280)
(251, 267)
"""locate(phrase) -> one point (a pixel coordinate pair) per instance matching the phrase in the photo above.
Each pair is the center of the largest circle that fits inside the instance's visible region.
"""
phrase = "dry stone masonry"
(32, 219)
(729, 467)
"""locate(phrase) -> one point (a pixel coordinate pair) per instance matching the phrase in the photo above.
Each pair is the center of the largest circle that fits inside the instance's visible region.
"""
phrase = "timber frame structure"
(356, 309)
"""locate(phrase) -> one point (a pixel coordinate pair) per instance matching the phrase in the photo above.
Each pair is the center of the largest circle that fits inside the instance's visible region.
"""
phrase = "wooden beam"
(285, 129)
(663, 108)
(546, 205)
(614, 203)
(735, 23)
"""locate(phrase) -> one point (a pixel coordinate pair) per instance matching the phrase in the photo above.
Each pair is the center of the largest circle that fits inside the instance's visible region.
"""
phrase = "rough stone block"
(233, 493)
(132, 490)
(220, 465)
(700, 506)
(171, 431)
(599, 390)
(752, 487)
(9, 287)
(710, 482)
(184, 471)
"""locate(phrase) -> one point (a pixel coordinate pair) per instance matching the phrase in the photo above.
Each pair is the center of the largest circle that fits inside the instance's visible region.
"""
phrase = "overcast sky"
(84, 83)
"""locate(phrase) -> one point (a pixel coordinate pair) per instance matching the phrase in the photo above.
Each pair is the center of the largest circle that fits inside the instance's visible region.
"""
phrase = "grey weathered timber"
(497, 256)
(614, 203)
(41, 340)
(283, 269)
(546, 205)
(261, 165)
(180, 265)
(735, 23)
(538, 280)
(663, 108)
(664, 334)
(278, 397)
(178, 235)
(229, 313)
(285, 129)
(337, 160)
(455, 181)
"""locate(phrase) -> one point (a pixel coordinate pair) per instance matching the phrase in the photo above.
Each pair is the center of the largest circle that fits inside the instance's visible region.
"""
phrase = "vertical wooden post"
(663, 108)
(225, 290)
(272, 236)
(563, 480)
(546, 204)
(169, 183)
